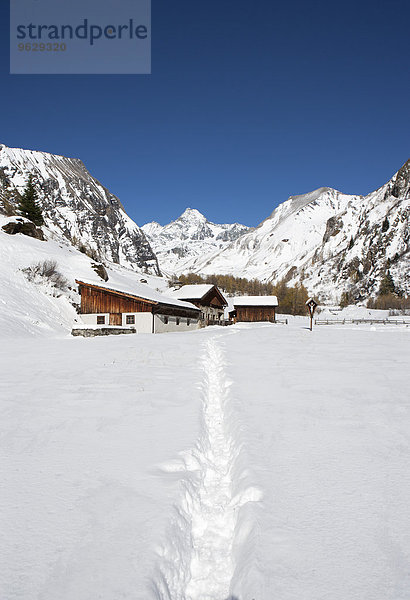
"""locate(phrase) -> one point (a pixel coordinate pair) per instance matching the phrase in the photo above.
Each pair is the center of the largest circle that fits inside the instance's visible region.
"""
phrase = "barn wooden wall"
(255, 313)
(99, 301)
(94, 301)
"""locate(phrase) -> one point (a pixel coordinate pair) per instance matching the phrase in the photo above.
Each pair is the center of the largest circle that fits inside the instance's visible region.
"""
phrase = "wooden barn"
(208, 298)
(254, 308)
(144, 309)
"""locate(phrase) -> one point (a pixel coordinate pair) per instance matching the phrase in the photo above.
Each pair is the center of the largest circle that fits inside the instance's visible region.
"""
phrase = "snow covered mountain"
(189, 237)
(76, 205)
(331, 241)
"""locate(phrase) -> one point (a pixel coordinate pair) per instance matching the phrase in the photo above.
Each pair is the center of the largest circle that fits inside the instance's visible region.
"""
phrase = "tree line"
(389, 295)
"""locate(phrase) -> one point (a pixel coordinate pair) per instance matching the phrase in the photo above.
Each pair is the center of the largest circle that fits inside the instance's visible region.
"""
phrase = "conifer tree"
(28, 205)
(387, 285)
(345, 299)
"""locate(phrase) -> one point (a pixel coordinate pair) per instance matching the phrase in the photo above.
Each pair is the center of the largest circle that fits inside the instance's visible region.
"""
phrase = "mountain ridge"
(76, 205)
(331, 241)
(310, 243)
(187, 237)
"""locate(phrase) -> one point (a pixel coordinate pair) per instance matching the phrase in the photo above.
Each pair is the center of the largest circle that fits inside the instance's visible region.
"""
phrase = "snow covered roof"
(255, 301)
(197, 292)
(192, 292)
(142, 291)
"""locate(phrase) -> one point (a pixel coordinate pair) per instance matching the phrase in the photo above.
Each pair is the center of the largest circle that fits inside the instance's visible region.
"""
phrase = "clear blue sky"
(248, 103)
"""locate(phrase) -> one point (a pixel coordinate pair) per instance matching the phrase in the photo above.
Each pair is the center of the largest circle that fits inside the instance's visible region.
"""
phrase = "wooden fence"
(358, 321)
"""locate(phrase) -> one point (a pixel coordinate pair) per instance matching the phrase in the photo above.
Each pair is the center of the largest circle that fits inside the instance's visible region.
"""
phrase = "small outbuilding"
(253, 308)
(208, 298)
(143, 309)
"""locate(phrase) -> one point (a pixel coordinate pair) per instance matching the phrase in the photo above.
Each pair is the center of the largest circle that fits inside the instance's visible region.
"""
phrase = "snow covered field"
(250, 462)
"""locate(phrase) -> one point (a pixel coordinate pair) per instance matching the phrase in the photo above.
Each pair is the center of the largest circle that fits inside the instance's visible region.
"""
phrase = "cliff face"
(75, 205)
(373, 236)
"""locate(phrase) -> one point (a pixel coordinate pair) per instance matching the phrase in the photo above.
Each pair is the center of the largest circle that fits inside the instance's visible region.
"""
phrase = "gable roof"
(193, 292)
(255, 301)
(140, 292)
(197, 292)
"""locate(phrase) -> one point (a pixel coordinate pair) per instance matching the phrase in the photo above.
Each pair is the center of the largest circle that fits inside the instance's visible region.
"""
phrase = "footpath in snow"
(252, 462)
(202, 566)
(212, 512)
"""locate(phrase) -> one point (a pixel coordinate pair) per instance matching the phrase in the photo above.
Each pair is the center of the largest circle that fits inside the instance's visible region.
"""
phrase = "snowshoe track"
(197, 561)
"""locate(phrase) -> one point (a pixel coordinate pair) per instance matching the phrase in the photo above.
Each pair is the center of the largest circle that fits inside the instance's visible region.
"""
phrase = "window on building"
(100, 320)
(130, 319)
(177, 320)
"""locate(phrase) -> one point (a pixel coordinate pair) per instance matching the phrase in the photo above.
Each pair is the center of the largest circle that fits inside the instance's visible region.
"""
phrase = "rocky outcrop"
(401, 186)
(25, 227)
(100, 270)
(334, 226)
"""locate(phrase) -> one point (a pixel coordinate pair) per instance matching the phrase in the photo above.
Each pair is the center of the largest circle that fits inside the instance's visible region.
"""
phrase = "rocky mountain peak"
(401, 187)
(190, 235)
(192, 214)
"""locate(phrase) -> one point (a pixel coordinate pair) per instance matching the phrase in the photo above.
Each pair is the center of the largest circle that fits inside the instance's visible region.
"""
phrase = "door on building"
(116, 319)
